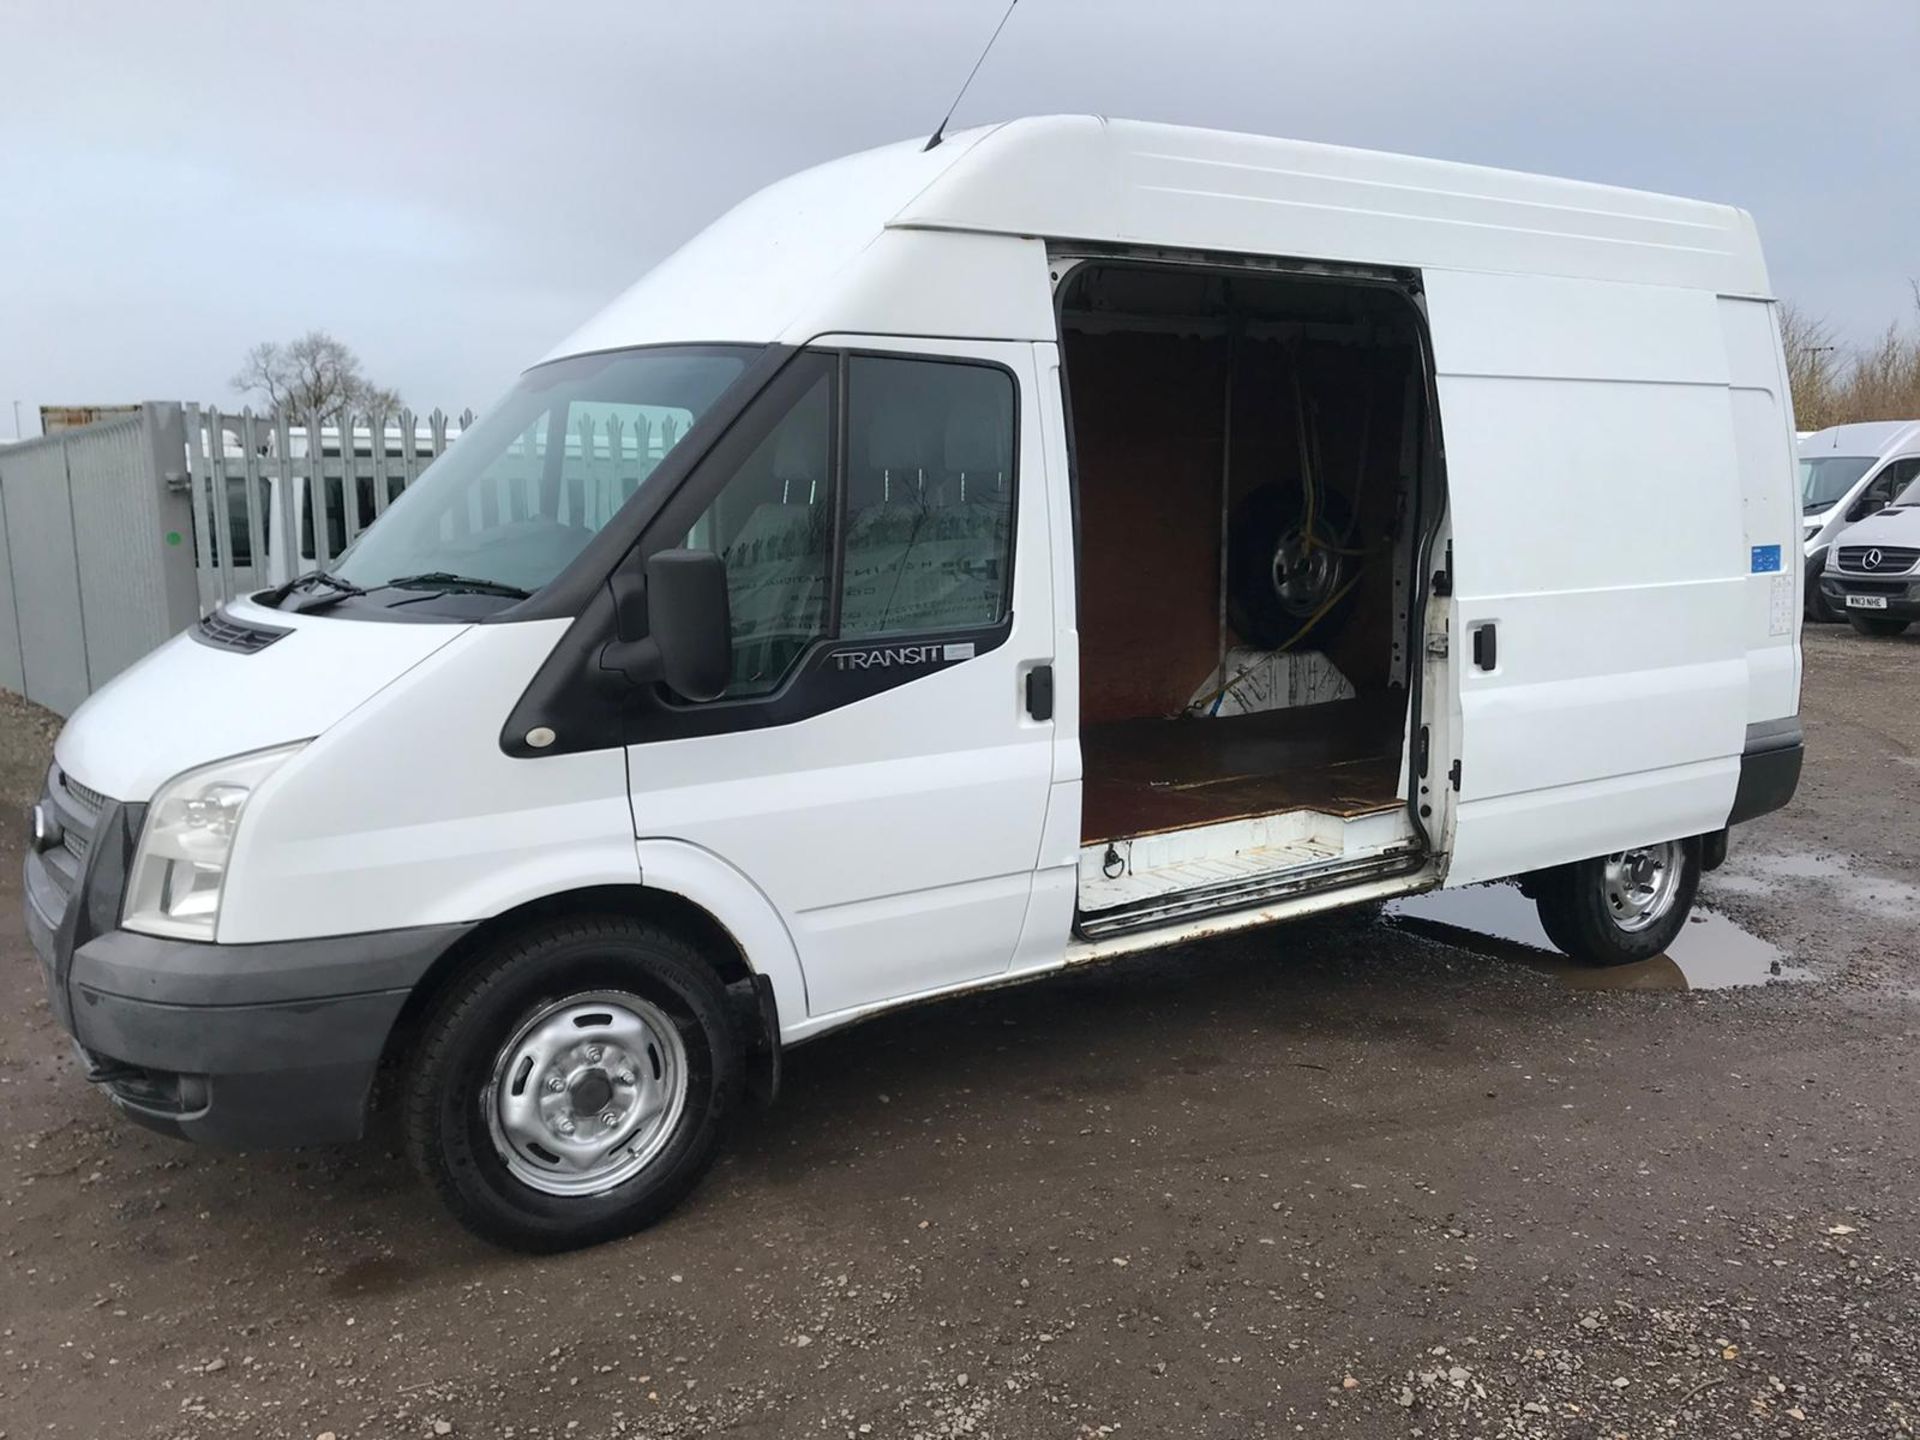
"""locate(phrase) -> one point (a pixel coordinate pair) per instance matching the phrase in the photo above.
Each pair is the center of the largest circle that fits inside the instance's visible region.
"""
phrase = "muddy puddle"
(1710, 953)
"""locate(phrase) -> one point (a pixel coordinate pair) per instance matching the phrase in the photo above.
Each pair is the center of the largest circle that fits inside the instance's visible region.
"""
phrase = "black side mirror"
(689, 641)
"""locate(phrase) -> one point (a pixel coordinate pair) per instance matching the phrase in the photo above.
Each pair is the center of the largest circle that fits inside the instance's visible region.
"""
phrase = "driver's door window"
(772, 523)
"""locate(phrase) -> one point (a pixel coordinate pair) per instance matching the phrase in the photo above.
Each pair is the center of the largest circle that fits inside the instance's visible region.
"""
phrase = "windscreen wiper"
(447, 580)
(337, 589)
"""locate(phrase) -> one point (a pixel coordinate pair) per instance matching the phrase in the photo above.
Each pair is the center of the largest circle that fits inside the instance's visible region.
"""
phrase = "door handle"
(1486, 646)
(1040, 692)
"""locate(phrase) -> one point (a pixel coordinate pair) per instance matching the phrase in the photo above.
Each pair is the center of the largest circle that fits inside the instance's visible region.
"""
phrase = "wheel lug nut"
(609, 1117)
(625, 1077)
(565, 1126)
(593, 1054)
(556, 1084)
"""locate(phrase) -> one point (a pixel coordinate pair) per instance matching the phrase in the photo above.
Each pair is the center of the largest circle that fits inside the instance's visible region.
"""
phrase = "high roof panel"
(855, 244)
(1129, 182)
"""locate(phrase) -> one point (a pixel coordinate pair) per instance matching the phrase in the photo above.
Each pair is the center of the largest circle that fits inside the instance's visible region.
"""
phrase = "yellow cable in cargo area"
(1219, 692)
(1321, 614)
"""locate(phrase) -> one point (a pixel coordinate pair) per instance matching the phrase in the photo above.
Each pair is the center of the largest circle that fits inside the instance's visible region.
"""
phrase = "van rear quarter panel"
(1599, 521)
(1765, 448)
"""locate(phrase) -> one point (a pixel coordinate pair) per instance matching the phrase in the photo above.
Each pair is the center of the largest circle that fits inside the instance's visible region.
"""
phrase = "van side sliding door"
(1598, 646)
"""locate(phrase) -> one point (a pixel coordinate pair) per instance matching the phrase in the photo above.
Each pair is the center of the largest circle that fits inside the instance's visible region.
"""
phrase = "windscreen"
(523, 491)
(1825, 480)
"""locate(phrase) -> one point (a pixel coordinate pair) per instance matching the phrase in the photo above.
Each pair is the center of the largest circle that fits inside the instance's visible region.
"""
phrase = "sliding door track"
(1247, 892)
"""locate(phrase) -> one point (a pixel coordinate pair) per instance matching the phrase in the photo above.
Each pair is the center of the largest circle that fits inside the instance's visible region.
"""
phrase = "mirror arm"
(638, 661)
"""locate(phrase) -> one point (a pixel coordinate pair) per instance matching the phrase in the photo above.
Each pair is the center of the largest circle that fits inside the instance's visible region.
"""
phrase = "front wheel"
(1620, 908)
(1881, 627)
(574, 1085)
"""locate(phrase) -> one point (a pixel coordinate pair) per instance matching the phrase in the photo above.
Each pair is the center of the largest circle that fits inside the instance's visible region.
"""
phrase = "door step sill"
(1245, 893)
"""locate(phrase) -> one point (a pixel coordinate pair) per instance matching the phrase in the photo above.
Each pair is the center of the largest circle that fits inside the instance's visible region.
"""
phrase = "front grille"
(223, 632)
(77, 808)
(1878, 559)
(1862, 585)
(92, 799)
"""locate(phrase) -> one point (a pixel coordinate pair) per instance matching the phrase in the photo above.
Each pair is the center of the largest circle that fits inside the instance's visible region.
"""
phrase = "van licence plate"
(1866, 602)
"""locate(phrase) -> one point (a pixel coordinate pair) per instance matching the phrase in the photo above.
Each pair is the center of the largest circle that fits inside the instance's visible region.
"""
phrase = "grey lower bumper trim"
(1769, 770)
(1774, 734)
(179, 972)
(246, 1045)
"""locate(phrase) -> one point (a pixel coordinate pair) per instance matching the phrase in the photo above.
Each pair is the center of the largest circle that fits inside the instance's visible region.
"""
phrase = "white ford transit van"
(1076, 538)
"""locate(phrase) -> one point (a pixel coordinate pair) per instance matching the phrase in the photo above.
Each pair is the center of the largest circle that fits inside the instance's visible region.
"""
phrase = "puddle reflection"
(1710, 953)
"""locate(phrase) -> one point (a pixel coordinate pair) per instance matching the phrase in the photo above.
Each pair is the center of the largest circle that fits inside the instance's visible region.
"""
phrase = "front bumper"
(238, 1045)
(245, 1045)
(1902, 593)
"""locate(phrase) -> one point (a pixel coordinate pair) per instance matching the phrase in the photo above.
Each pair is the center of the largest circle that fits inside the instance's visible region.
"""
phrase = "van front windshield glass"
(1825, 480)
(522, 491)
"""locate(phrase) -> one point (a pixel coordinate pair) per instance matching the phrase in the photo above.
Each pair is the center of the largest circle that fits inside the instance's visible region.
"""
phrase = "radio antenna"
(939, 131)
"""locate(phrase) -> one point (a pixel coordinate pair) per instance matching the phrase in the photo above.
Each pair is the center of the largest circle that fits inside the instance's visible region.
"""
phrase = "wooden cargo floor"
(1147, 776)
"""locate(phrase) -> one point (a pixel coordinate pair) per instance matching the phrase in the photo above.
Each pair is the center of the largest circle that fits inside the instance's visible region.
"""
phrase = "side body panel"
(1599, 526)
(1049, 925)
(407, 813)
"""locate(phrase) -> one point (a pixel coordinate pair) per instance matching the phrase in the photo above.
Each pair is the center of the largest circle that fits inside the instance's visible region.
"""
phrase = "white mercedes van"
(1847, 473)
(954, 565)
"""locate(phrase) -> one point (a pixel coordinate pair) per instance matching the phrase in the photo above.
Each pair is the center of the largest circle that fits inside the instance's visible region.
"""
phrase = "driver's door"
(873, 767)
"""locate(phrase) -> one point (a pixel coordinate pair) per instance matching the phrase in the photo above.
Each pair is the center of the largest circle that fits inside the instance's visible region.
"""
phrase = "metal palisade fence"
(279, 494)
(117, 535)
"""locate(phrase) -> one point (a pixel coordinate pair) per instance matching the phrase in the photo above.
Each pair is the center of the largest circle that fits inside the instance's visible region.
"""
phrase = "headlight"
(181, 861)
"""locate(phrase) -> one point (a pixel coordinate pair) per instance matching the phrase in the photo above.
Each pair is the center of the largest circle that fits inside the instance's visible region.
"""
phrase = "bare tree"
(313, 375)
(1880, 381)
(1810, 353)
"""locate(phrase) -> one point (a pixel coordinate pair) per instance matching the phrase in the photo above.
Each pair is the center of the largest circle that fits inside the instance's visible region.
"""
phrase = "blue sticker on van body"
(1766, 559)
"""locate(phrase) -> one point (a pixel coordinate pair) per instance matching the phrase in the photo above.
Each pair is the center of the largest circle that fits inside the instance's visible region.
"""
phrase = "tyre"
(1881, 627)
(1819, 611)
(1283, 578)
(1616, 909)
(574, 1084)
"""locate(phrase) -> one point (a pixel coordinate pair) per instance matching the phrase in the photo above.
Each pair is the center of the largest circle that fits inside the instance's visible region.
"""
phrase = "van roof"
(800, 257)
(1868, 437)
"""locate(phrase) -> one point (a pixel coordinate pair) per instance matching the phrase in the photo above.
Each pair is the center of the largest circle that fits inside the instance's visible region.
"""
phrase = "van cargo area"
(1247, 450)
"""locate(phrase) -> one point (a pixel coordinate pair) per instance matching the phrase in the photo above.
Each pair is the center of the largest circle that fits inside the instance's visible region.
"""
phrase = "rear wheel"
(1620, 908)
(574, 1085)
(1881, 627)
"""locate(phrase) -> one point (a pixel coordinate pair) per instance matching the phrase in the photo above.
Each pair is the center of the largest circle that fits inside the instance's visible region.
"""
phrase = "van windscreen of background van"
(1827, 479)
(523, 491)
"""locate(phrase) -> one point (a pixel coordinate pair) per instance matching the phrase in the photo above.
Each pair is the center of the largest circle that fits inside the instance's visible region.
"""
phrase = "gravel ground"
(1348, 1178)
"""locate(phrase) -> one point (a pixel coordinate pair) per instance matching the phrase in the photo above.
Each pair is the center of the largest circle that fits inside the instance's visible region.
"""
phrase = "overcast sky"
(452, 187)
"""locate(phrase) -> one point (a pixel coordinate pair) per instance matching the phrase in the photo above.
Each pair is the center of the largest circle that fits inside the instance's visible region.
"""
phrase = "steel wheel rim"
(1304, 576)
(1639, 885)
(586, 1092)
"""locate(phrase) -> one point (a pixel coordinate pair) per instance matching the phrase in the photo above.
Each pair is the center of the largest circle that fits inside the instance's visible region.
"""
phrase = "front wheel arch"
(755, 1009)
